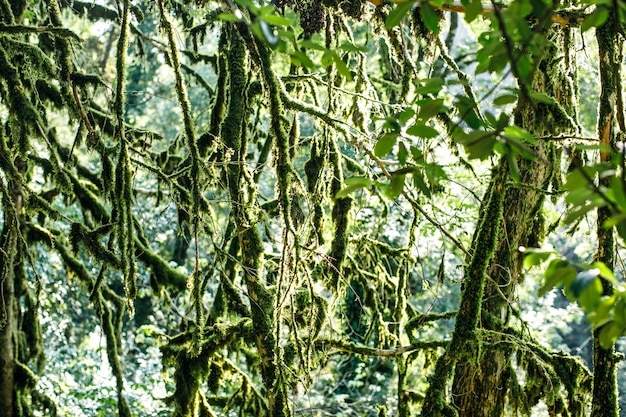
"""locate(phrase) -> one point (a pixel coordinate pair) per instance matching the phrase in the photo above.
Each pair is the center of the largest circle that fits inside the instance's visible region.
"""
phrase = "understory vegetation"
(312, 208)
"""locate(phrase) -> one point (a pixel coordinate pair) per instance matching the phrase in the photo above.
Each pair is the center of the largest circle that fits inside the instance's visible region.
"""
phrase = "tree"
(270, 228)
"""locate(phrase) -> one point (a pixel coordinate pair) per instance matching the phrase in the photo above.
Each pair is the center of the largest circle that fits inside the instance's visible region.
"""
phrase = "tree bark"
(605, 399)
(482, 391)
(11, 206)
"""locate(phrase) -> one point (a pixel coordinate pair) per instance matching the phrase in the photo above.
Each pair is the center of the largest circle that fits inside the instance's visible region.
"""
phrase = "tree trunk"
(481, 391)
(604, 403)
(11, 206)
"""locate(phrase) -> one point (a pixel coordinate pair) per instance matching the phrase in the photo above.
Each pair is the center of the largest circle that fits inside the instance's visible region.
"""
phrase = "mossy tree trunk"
(11, 204)
(481, 389)
(242, 193)
(604, 403)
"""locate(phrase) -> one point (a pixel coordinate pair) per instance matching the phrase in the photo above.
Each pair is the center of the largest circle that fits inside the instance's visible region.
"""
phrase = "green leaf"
(557, 272)
(420, 184)
(473, 9)
(350, 47)
(396, 186)
(396, 15)
(417, 154)
(595, 19)
(300, 58)
(429, 108)
(309, 44)
(362, 181)
(429, 86)
(402, 153)
(583, 280)
(534, 256)
(580, 212)
(228, 17)
(589, 299)
(353, 184)
(609, 334)
(512, 160)
(519, 133)
(385, 144)
(601, 313)
(467, 110)
(541, 97)
(276, 20)
(504, 99)
(478, 144)
(406, 115)
(342, 68)
(431, 19)
(605, 271)
(422, 131)
(539, 8)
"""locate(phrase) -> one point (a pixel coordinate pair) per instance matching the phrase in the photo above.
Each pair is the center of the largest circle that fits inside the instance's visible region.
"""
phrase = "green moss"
(6, 12)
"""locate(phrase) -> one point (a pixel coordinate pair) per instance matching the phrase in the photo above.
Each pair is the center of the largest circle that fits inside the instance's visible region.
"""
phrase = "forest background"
(312, 208)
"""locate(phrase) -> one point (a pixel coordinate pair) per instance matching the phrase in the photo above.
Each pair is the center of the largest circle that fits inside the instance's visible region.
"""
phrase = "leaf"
(309, 44)
(385, 144)
(276, 20)
(429, 86)
(342, 68)
(422, 131)
(420, 184)
(595, 19)
(228, 17)
(353, 184)
(504, 99)
(429, 108)
(393, 124)
(541, 97)
(601, 313)
(512, 160)
(301, 58)
(431, 19)
(362, 181)
(583, 280)
(406, 115)
(519, 133)
(580, 212)
(473, 8)
(478, 144)
(417, 154)
(534, 256)
(557, 272)
(467, 110)
(396, 186)
(591, 296)
(609, 334)
(402, 153)
(396, 15)
(605, 271)
(350, 47)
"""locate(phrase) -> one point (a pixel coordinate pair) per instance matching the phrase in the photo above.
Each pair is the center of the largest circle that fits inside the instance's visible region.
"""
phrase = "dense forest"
(312, 208)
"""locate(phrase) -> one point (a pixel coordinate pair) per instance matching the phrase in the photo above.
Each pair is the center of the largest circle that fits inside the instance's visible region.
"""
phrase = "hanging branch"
(196, 162)
(123, 194)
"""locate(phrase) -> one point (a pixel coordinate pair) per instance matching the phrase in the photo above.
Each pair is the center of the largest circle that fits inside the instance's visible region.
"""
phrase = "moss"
(82, 80)
(25, 379)
(6, 12)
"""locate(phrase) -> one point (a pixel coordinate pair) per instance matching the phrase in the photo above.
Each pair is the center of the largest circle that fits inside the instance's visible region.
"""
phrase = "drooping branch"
(123, 197)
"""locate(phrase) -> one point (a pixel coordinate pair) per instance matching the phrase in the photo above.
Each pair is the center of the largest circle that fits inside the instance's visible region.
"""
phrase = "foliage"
(281, 208)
